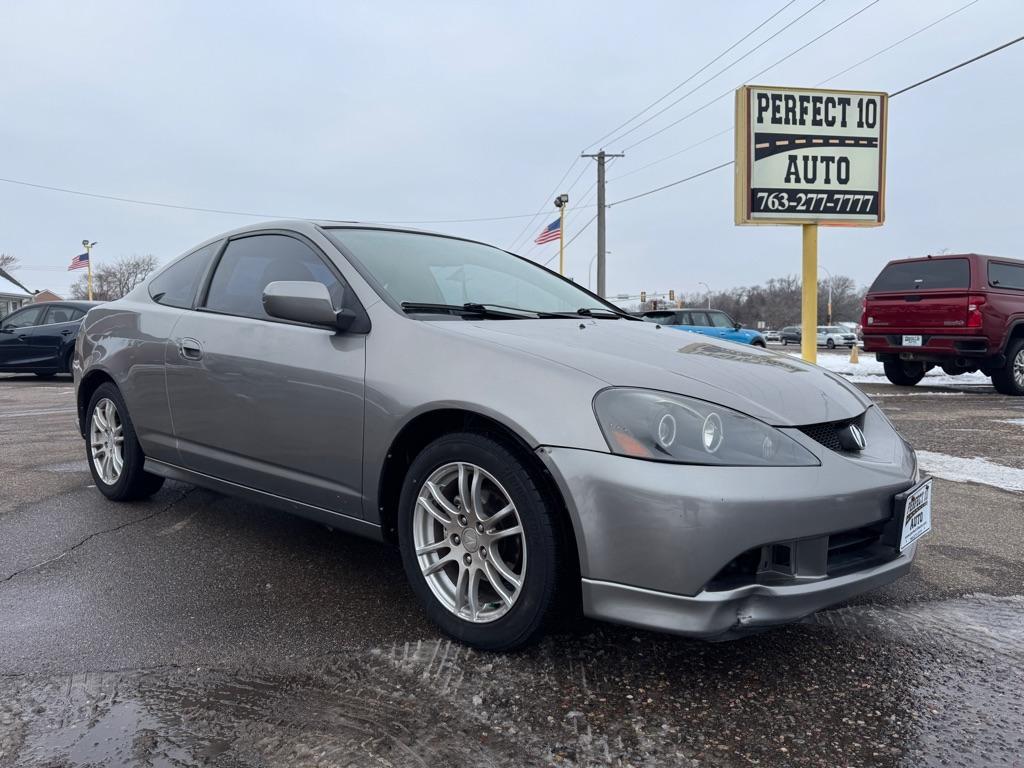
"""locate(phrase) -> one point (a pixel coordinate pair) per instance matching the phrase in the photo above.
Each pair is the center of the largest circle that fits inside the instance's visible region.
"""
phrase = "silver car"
(530, 448)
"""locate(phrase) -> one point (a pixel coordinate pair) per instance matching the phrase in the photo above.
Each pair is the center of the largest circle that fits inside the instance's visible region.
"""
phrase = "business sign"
(806, 156)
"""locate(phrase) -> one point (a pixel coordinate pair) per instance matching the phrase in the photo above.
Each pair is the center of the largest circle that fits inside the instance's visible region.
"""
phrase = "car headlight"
(647, 424)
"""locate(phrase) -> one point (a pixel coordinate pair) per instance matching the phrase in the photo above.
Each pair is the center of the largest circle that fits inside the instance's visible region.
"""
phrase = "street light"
(88, 265)
(560, 202)
(828, 315)
(708, 289)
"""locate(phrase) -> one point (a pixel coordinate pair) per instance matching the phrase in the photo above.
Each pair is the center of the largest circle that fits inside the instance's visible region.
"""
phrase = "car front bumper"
(654, 539)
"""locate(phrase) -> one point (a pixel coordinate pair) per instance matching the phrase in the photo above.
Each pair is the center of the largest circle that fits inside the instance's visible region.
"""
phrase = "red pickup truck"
(963, 312)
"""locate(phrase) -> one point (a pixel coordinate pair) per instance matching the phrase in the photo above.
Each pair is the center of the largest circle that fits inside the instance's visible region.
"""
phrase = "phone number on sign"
(780, 201)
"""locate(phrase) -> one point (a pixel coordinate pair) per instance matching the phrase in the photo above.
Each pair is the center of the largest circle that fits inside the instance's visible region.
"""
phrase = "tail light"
(863, 311)
(974, 305)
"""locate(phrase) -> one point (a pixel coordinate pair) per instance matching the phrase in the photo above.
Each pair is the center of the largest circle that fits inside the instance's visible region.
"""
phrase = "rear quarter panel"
(125, 340)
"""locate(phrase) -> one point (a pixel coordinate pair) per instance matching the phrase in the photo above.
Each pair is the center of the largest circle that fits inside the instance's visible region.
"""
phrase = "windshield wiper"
(605, 313)
(469, 308)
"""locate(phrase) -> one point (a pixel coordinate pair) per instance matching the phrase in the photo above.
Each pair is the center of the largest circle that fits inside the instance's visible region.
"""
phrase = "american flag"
(81, 261)
(552, 231)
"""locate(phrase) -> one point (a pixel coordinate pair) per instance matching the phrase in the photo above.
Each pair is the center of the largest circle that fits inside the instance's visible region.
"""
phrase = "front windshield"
(430, 269)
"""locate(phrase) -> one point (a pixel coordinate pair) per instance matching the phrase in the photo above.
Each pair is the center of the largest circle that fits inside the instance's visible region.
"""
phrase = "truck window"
(924, 274)
(1006, 275)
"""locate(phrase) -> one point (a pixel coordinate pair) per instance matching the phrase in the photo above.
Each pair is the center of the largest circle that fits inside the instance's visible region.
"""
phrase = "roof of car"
(975, 256)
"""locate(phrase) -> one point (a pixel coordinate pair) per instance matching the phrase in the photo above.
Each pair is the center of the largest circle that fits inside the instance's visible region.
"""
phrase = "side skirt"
(318, 514)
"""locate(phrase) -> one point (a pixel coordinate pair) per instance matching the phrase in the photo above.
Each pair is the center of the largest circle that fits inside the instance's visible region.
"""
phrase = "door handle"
(190, 349)
(66, 332)
(22, 336)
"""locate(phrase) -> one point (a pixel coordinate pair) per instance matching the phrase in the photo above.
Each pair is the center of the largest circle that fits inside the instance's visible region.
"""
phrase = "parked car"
(963, 312)
(772, 336)
(833, 336)
(40, 338)
(710, 322)
(527, 445)
(791, 334)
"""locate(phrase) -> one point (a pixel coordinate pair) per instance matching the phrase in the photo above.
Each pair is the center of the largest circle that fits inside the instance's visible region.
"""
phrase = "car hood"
(777, 388)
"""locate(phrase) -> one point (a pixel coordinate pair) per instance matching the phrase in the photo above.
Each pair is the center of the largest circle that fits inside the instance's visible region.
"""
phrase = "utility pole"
(560, 203)
(88, 265)
(600, 157)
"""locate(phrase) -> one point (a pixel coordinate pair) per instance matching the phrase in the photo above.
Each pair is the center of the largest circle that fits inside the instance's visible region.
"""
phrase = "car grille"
(827, 433)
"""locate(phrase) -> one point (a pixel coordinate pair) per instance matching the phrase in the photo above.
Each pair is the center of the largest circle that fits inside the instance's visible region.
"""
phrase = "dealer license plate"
(917, 514)
(912, 341)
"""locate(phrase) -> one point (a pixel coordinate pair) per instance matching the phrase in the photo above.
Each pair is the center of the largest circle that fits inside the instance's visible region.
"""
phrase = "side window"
(251, 263)
(683, 318)
(699, 319)
(60, 315)
(720, 320)
(176, 286)
(24, 318)
(1006, 275)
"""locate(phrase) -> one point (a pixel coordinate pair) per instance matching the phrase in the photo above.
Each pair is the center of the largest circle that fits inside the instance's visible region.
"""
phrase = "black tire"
(903, 373)
(535, 607)
(830, 344)
(66, 365)
(953, 370)
(1003, 379)
(45, 374)
(760, 344)
(133, 482)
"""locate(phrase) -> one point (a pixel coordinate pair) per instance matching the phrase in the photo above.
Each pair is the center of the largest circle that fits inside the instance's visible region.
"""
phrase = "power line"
(958, 66)
(722, 71)
(892, 95)
(789, 55)
(222, 211)
(898, 42)
(822, 82)
(680, 85)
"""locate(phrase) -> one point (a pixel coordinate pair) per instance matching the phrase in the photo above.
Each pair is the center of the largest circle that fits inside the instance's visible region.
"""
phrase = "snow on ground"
(870, 371)
(976, 470)
(1018, 422)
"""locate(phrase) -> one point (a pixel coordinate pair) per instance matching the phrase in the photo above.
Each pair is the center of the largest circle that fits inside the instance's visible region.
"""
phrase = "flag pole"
(561, 240)
(88, 267)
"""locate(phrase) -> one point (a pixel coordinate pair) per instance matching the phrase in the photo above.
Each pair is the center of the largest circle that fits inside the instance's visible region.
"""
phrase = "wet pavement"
(194, 630)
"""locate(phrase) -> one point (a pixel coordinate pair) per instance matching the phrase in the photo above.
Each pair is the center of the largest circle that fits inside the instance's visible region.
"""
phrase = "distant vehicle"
(833, 336)
(710, 322)
(790, 335)
(772, 336)
(40, 338)
(963, 312)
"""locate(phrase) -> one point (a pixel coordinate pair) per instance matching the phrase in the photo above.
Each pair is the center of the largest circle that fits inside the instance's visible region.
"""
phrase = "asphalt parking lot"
(194, 629)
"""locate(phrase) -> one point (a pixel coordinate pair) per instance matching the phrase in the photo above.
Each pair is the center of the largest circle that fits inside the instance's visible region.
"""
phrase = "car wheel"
(903, 373)
(830, 344)
(479, 542)
(66, 366)
(115, 458)
(1009, 380)
(759, 343)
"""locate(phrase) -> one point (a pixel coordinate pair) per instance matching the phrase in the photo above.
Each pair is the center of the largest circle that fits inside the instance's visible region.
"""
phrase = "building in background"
(46, 295)
(12, 295)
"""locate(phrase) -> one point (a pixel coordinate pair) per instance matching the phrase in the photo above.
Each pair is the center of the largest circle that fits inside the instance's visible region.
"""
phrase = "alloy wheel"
(1018, 368)
(106, 441)
(469, 542)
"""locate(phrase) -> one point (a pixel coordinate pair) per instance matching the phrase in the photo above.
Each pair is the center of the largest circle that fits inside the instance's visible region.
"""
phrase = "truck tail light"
(974, 304)
(863, 312)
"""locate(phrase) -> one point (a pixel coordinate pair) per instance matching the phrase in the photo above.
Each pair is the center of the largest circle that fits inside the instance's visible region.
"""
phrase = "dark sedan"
(40, 338)
(790, 335)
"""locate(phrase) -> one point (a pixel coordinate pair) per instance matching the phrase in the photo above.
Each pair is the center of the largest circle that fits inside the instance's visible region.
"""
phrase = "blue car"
(710, 322)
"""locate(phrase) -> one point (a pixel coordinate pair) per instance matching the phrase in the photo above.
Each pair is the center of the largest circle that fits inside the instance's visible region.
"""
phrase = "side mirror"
(737, 326)
(305, 302)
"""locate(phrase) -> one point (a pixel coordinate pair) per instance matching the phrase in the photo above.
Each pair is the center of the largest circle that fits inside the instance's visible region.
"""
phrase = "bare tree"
(8, 261)
(112, 281)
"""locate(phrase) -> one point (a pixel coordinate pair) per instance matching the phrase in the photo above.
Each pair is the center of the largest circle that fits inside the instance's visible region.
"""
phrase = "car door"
(725, 327)
(265, 403)
(55, 336)
(16, 352)
(822, 336)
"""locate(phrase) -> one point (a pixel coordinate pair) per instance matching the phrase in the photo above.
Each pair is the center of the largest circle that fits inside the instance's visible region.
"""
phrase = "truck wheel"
(903, 373)
(1009, 380)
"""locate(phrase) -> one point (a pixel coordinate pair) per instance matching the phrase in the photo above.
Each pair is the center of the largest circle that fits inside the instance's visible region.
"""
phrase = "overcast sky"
(401, 111)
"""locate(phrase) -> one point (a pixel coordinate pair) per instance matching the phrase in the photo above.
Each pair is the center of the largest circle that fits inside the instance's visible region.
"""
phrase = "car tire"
(66, 364)
(830, 344)
(535, 556)
(759, 343)
(107, 420)
(903, 373)
(1009, 380)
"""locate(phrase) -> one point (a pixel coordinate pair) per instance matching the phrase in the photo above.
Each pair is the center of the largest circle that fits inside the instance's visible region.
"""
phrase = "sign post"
(808, 156)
